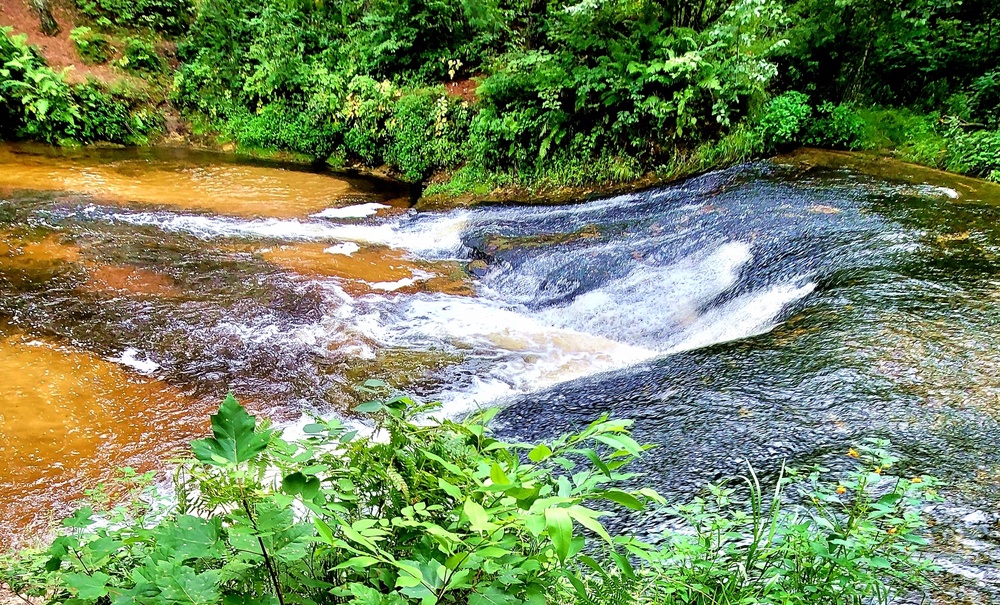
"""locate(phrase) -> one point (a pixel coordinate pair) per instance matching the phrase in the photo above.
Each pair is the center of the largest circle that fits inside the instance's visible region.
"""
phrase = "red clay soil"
(464, 89)
(57, 50)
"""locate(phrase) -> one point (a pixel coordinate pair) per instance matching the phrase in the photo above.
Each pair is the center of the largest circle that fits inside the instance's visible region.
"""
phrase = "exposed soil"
(463, 89)
(57, 50)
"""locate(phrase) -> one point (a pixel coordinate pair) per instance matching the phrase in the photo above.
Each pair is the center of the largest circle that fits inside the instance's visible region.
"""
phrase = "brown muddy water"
(778, 311)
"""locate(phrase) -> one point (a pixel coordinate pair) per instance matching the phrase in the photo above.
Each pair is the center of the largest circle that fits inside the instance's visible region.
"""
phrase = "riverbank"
(484, 118)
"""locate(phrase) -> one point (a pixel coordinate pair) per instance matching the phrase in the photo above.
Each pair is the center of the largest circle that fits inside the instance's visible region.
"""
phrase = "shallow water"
(777, 311)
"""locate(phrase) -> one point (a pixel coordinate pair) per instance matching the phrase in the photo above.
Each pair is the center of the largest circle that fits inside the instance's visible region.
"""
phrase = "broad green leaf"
(560, 527)
(325, 531)
(88, 587)
(82, 517)
(498, 476)
(180, 584)
(298, 484)
(369, 407)
(539, 453)
(191, 537)
(359, 562)
(478, 519)
(449, 489)
(588, 518)
(235, 439)
(492, 595)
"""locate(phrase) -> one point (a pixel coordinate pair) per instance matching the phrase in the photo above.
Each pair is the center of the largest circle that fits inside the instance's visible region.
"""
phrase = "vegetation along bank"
(481, 99)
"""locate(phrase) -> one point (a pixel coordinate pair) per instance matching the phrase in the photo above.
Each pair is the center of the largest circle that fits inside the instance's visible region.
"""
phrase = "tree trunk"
(49, 26)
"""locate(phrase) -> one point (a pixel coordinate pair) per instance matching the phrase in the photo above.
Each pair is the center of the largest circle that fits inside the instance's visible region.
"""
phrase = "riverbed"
(778, 311)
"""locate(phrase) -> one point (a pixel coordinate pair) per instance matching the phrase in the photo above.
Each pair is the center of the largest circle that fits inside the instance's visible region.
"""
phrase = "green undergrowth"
(441, 511)
(37, 103)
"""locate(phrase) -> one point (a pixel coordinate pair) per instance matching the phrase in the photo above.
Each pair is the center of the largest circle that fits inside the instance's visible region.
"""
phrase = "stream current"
(775, 312)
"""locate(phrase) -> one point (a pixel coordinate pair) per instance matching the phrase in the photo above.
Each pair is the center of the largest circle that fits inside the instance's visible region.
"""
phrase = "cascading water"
(771, 312)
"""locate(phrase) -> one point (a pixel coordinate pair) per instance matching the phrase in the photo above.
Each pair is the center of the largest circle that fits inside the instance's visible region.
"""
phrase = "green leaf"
(82, 517)
(588, 518)
(539, 453)
(325, 531)
(87, 587)
(235, 438)
(369, 407)
(359, 562)
(180, 584)
(297, 484)
(560, 528)
(498, 476)
(191, 537)
(449, 489)
(492, 595)
(478, 519)
(625, 499)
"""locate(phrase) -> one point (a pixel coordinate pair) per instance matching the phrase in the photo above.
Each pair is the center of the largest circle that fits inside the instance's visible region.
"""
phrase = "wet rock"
(478, 267)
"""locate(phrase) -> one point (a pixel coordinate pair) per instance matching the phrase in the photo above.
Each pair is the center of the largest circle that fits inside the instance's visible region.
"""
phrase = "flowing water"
(776, 311)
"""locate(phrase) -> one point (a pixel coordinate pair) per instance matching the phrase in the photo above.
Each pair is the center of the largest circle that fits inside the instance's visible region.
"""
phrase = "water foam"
(355, 211)
(433, 235)
(651, 302)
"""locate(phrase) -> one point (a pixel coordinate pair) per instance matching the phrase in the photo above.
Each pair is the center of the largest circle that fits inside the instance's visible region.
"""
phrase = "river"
(778, 311)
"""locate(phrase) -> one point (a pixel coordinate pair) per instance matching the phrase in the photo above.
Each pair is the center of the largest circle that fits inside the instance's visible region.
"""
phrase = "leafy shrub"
(976, 152)
(785, 119)
(426, 133)
(443, 512)
(849, 542)
(836, 126)
(93, 47)
(435, 513)
(302, 130)
(170, 16)
(37, 101)
(140, 56)
(986, 97)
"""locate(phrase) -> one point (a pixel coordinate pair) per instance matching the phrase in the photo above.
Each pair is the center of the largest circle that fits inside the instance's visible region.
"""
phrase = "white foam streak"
(346, 249)
(649, 303)
(355, 211)
(130, 358)
(745, 316)
(437, 234)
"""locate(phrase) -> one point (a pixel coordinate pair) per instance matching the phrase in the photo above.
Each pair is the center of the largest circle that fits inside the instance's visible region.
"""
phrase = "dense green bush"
(140, 56)
(974, 152)
(37, 103)
(93, 47)
(785, 119)
(170, 16)
(837, 126)
(443, 512)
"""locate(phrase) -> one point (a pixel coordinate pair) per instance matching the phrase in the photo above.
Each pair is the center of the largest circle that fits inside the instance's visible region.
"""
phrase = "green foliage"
(836, 126)
(560, 86)
(785, 119)
(37, 103)
(93, 47)
(140, 56)
(170, 16)
(443, 512)
(849, 542)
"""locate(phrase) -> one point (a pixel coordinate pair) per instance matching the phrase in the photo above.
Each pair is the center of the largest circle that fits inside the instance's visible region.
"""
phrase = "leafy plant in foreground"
(440, 511)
